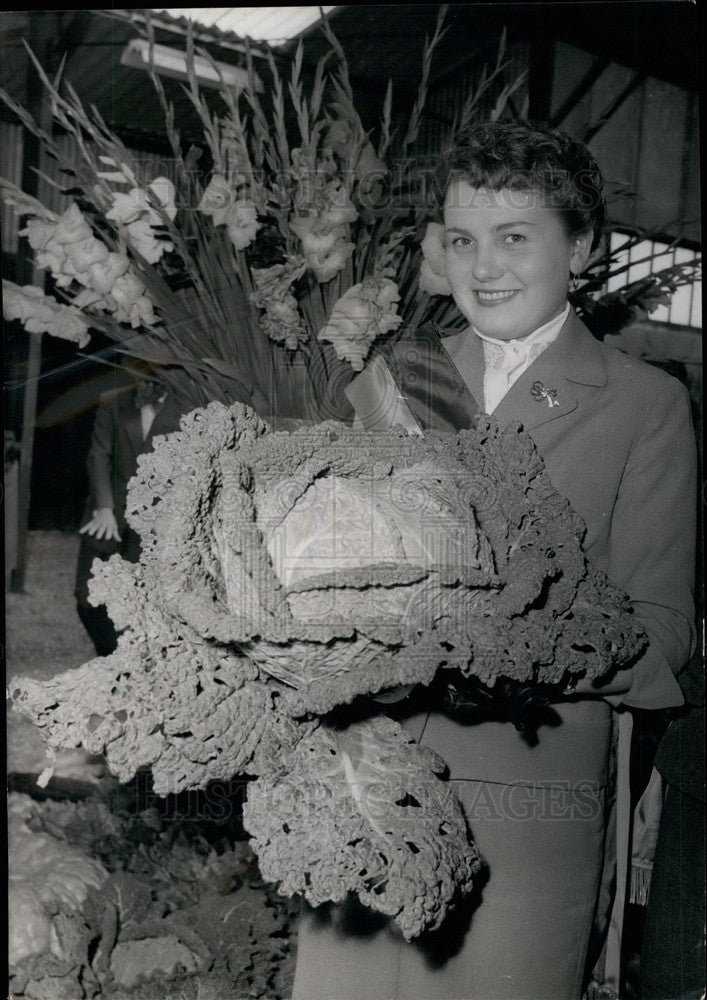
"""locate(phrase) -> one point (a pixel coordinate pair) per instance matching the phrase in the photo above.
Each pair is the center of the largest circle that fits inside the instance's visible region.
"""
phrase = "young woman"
(523, 211)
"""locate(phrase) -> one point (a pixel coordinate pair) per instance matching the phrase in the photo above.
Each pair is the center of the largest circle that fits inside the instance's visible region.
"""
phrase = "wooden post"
(29, 410)
(42, 34)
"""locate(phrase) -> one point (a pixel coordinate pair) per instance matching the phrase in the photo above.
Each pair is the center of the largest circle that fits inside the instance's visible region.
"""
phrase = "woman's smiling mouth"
(487, 298)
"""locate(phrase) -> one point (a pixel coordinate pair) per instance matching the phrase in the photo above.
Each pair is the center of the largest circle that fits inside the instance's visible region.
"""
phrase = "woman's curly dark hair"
(524, 155)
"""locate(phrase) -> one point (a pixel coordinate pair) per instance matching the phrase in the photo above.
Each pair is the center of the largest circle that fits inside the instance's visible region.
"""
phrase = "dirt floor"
(44, 635)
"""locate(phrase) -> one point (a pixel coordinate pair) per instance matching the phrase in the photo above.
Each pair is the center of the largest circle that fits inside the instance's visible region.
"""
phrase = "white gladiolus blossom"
(433, 269)
(135, 212)
(362, 314)
(40, 313)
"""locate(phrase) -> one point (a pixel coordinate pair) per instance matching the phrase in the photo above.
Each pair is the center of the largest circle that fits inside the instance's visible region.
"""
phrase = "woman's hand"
(611, 690)
(393, 694)
(102, 525)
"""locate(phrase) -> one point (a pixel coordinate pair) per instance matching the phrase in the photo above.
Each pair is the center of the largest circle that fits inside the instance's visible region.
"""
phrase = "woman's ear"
(581, 252)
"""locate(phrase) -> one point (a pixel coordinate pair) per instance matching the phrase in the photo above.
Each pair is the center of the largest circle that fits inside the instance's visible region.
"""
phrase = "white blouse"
(506, 360)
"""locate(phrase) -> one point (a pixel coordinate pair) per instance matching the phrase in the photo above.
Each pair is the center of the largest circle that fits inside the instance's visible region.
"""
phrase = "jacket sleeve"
(653, 543)
(101, 456)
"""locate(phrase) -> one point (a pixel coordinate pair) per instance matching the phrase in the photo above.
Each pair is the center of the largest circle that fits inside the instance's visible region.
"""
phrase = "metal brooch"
(539, 392)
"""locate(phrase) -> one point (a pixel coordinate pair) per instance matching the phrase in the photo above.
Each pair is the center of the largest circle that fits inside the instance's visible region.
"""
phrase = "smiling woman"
(523, 210)
(522, 214)
(508, 258)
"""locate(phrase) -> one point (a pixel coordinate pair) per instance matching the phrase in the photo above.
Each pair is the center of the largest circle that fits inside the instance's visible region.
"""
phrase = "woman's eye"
(461, 242)
(513, 238)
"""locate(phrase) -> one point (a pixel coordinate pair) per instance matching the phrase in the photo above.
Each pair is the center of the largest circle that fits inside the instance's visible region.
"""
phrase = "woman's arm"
(652, 550)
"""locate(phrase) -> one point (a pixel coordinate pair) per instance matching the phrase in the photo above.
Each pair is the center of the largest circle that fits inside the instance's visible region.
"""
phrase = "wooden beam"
(202, 35)
(72, 32)
(29, 411)
(690, 153)
(582, 88)
(13, 21)
(613, 106)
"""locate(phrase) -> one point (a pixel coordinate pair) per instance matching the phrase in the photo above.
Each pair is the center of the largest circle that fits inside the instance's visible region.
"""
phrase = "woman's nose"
(486, 265)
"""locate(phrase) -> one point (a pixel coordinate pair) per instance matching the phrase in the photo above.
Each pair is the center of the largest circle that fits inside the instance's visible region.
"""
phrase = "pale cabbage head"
(339, 525)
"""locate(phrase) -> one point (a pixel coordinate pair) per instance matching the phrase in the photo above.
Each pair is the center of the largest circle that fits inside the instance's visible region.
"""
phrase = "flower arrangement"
(268, 274)
(40, 313)
(264, 279)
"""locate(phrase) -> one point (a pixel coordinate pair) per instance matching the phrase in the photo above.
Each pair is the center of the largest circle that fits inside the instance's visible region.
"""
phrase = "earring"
(574, 282)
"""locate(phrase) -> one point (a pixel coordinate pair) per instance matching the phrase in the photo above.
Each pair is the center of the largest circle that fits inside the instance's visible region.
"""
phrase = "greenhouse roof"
(275, 25)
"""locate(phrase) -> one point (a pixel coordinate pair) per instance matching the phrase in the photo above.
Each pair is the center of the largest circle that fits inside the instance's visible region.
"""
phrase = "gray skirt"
(538, 817)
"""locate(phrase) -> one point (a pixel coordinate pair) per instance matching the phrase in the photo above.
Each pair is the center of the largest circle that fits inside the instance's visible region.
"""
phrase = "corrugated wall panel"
(660, 156)
(648, 149)
(570, 68)
(11, 151)
(616, 145)
(690, 202)
(445, 102)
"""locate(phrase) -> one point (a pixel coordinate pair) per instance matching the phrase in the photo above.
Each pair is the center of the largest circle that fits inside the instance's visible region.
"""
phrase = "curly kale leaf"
(164, 699)
(288, 573)
(362, 810)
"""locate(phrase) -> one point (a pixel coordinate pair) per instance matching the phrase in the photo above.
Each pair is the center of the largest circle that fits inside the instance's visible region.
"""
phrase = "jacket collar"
(131, 423)
(574, 357)
(167, 417)
(166, 420)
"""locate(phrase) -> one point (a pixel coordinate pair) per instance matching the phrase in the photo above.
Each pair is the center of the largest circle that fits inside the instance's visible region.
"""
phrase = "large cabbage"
(286, 573)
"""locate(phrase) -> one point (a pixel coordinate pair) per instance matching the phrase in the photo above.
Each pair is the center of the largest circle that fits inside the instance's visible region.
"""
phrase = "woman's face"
(508, 258)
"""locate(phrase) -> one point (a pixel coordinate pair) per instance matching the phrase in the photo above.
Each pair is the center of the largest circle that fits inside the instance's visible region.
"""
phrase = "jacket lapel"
(467, 352)
(545, 390)
(167, 418)
(131, 424)
(443, 387)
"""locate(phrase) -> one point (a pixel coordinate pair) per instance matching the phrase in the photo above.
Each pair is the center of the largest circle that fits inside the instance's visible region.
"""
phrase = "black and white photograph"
(353, 502)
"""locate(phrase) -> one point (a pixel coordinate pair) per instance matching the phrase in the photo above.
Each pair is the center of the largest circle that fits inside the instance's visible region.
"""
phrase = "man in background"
(127, 421)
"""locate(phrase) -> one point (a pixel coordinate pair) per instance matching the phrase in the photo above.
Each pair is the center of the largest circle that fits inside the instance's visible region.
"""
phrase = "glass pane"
(696, 317)
(662, 260)
(660, 315)
(617, 239)
(640, 266)
(682, 300)
(680, 305)
(649, 257)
